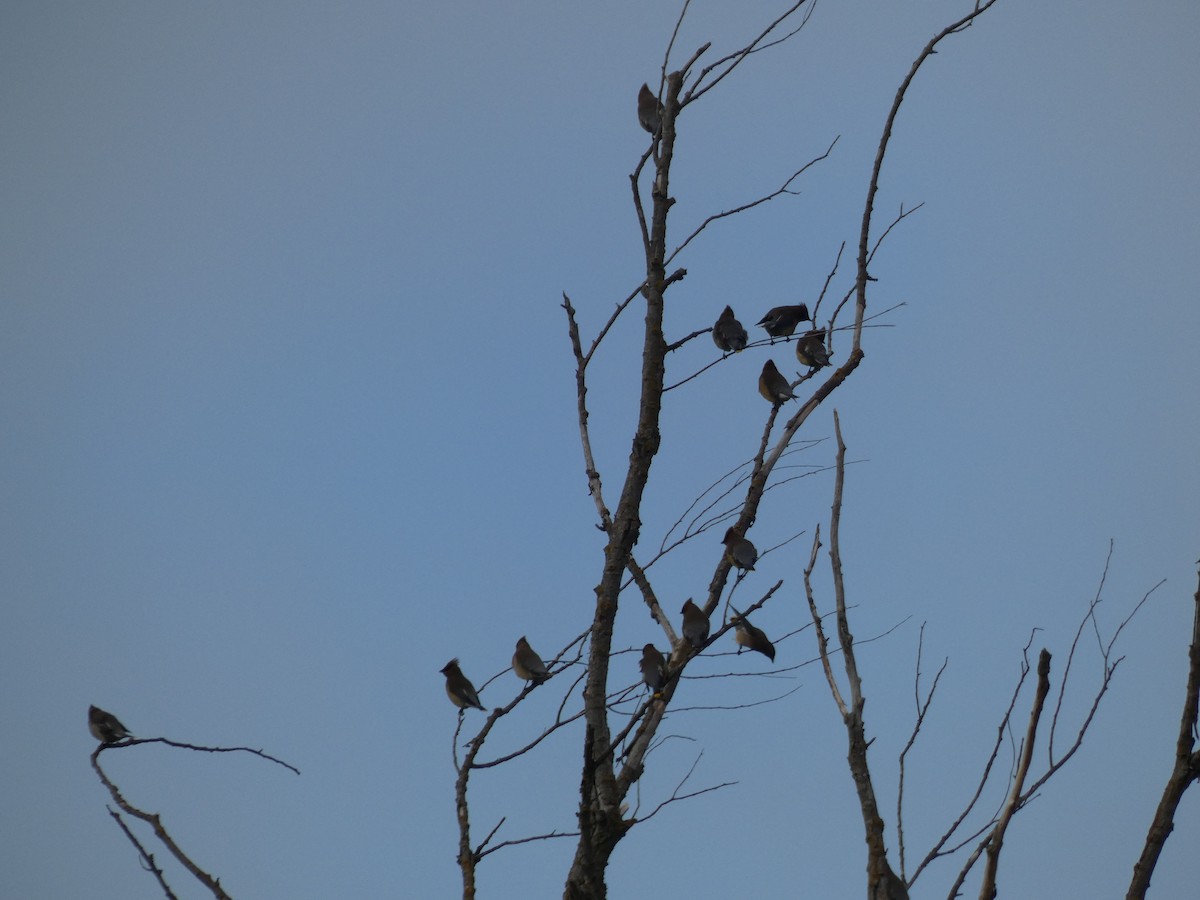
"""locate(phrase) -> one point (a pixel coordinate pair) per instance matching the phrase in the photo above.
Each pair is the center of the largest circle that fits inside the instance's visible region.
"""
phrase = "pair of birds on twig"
(526, 663)
(730, 335)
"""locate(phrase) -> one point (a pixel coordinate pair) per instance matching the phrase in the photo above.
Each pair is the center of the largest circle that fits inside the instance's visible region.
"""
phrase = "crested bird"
(105, 727)
(459, 688)
(728, 333)
(739, 551)
(773, 386)
(695, 624)
(752, 638)
(527, 664)
(810, 350)
(654, 668)
(781, 321)
(649, 110)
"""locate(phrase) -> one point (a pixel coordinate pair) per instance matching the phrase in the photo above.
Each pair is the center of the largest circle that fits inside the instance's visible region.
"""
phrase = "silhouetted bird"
(728, 333)
(459, 688)
(654, 668)
(739, 551)
(773, 386)
(810, 350)
(528, 665)
(649, 110)
(105, 727)
(695, 624)
(752, 638)
(782, 320)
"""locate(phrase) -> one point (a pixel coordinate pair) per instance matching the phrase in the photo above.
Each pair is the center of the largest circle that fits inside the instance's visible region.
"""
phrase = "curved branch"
(1184, 773)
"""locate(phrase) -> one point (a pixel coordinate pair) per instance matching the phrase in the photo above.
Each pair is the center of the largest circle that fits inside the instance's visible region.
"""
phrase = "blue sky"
(290, 422)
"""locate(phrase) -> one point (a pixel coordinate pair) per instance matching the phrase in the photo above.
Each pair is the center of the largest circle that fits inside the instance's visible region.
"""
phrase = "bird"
(728, 333)
(649, 110)
(105, 727)
(782, 320)
(654, 668)
(527, 664)
(773, 386)
(752, 638)
(810, 350)
(739, 551)
(459, 688)
(695, 624)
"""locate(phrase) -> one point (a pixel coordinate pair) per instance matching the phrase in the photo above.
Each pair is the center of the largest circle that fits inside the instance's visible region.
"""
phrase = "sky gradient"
(290, 422)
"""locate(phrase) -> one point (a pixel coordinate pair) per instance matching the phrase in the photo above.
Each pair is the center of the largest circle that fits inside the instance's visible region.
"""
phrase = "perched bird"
(810, 350)
(773, 386)
(695, 624)
(459, 688)
(527, 664)
(649, 110)
(782, 320)
(752, 638)
(728, 333)
(105, 727)
(739, 551)
(654, 668)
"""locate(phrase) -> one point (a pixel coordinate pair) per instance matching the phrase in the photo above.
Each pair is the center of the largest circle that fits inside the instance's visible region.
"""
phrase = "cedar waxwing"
(810, 350)
(739, 551)
(752, 638)
(728, 333)
(773, 386)
(649, 110)
(654, 668)
(695, 624)
(527, 664)
(459, 688)
(782, 320)
(105, 727)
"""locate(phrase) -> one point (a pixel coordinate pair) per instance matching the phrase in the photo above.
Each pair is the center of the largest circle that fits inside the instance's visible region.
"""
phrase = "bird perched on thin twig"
(752, 638)
(695, 624)
(782, 320)
(527, 664)
(810, 350)
(739, 551)
(649, 110)
(654, 669)
(459, 688)
(105, 727)
(728, 333)
(773, 386)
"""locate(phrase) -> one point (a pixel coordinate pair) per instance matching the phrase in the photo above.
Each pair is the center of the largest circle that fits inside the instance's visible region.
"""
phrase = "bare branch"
(1184, 773)
(785, 188)
(922, 709)
(864, 255)
(155, 822)
(987, 890)
(147, 858)
(699, 89)
(132, 742)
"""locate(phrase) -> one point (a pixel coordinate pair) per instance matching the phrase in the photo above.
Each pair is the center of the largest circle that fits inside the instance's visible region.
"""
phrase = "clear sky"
(289, 421)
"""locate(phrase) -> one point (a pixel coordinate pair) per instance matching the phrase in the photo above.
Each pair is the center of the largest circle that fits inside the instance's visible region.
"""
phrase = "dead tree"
(613, 759)
(614, 753)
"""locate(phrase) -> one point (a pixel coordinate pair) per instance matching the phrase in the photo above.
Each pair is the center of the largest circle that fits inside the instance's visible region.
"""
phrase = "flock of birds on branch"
(730, 336)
